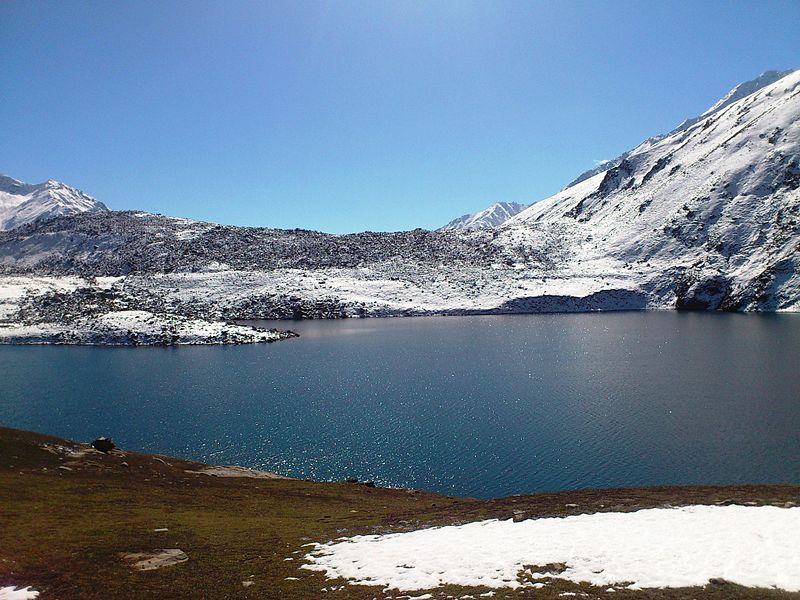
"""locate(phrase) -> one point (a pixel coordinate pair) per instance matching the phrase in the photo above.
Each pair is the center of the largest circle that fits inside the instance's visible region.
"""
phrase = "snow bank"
(10, 593)
(653, 548)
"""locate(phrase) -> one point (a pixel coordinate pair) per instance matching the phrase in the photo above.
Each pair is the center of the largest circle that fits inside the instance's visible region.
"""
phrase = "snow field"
(652, 548)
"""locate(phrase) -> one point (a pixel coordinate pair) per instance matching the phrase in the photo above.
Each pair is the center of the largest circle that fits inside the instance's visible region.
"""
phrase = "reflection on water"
(480, 406)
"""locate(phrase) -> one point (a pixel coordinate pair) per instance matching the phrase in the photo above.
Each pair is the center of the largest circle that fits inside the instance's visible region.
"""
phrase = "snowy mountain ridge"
(707, 217)
(497, 214)
(22, 203)
(737, 93)
(711, 211)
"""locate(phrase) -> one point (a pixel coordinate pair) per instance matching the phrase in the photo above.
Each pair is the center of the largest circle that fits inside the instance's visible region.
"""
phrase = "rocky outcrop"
(137, 328)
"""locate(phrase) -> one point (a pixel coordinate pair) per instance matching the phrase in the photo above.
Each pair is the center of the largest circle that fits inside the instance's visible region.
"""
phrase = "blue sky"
(349, 116)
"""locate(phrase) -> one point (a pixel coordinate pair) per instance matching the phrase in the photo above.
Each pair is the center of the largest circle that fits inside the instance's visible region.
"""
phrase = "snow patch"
(11, 593)
(652, 548)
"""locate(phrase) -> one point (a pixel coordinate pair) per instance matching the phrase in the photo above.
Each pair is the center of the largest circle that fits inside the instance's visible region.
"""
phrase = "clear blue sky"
(347, 116)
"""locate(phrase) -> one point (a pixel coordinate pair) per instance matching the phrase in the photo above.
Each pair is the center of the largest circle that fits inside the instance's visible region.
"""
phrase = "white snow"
(497, 214)
(11, 593)
(712, 199)
(22, 203)
(652, 548)
(14, 289)
(126, 327)
(715, 199)
(745, 89)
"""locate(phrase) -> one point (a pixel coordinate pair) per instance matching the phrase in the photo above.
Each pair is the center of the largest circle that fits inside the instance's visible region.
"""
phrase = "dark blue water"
(479, 406)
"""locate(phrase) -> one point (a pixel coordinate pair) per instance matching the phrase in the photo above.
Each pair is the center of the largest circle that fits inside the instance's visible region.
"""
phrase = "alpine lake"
(473, 406)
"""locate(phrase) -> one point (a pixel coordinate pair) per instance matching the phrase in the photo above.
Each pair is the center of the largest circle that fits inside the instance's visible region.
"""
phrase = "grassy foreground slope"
(67, 513)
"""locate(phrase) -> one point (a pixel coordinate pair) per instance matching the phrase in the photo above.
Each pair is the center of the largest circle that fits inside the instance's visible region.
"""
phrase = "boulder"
(157, 559)
(103, 444)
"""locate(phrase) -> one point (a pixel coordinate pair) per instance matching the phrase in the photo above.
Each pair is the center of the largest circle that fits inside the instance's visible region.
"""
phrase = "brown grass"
(62, 531)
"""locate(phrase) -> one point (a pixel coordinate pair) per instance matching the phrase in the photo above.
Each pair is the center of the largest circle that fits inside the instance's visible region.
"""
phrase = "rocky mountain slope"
(707, 217)
(497, 214)
(22, 203)
(737, 93)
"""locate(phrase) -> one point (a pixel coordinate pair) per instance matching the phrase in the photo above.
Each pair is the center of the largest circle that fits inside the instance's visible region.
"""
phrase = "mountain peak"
(745, 89)
(22, 202)
(737, 93)
(710, 203)
(497, 214)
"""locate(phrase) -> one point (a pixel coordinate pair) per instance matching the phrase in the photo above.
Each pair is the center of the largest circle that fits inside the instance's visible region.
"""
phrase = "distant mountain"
(22, 203)
(706, 217)
(497, 214)
(737, 93)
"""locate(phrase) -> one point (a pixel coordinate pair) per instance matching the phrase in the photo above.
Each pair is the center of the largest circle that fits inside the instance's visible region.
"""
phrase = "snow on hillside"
(137, 328)
(753, 546)
(707, 217)
(497, 214)
(72, 310)
(22, 203)
(737, 93)
(744, 89)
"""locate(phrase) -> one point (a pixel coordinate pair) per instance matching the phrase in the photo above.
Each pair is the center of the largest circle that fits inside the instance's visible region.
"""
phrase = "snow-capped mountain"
(710, 212)
(737, 93)
(497, 214)
(706, 217)
(22, 203)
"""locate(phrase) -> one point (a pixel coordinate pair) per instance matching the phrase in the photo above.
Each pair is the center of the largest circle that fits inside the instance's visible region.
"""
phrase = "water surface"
(479, 406)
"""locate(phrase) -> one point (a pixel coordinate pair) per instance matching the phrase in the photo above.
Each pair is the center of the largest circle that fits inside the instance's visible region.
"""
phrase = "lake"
(479, 406)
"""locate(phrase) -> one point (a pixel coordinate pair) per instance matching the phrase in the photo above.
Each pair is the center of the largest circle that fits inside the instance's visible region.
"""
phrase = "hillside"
(711, 211)
(72, 517)
(737, 93)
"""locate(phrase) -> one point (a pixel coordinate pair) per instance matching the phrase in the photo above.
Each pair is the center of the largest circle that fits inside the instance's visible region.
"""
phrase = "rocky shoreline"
(136, 328)
(205, 308)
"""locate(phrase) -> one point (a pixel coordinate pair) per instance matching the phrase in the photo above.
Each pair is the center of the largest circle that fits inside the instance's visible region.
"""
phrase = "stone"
(554, 568)
(233, 471)
(103, 444)
(149, 561)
